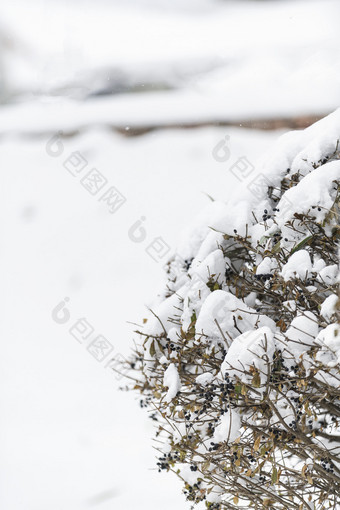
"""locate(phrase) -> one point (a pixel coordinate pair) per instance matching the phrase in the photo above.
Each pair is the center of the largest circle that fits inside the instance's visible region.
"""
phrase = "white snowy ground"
(68, 439)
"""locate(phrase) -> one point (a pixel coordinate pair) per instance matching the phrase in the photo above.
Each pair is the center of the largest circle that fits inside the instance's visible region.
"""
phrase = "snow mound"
(249, 322)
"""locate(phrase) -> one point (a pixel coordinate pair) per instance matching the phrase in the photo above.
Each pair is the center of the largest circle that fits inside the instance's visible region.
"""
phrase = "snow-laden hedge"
(240, 360)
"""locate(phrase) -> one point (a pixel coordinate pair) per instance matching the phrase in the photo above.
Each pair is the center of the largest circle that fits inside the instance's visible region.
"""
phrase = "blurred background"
(117, 119)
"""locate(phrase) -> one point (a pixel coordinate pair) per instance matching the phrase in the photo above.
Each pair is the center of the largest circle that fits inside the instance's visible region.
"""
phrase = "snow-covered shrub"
(239, 362)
